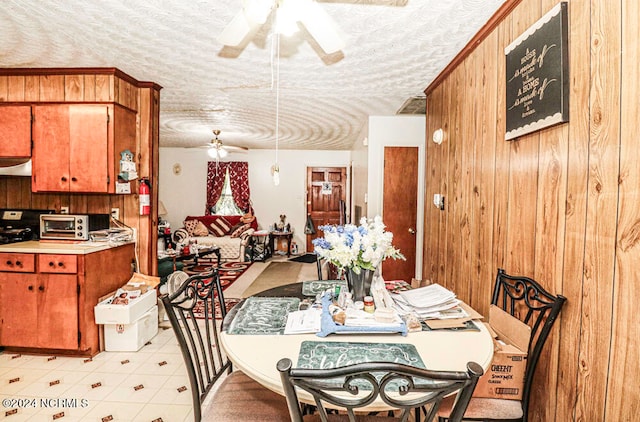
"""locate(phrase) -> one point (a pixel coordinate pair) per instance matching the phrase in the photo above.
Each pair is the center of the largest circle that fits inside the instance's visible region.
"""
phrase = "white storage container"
(131, 337)
(106, 313)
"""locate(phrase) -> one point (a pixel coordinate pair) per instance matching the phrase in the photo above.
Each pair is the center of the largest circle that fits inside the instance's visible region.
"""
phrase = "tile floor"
(150, 385)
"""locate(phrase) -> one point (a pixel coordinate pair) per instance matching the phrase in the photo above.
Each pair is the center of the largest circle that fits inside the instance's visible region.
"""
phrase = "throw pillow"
(201, 229)
(219, 227)
(180, 236)
(238, 232)
(190, 226)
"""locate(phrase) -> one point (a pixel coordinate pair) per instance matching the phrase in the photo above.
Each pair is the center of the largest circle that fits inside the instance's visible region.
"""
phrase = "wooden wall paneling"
(32, 88)
(433, 166)
(454, 173)
(484, 179)
(52, 87)
(4, 86)
(623, 397)
(549, 248)
(467, 166)
(602, 187)
(523, 174)
(89, 87)
(74, 87)
(502, 149)
(78, 204)
(4, 191)
(571, 401)
(104, 89)
(46, 201)
(443, 184)
(16, 87)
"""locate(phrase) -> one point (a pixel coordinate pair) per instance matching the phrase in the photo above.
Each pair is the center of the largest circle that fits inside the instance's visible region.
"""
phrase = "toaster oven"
(71, 226)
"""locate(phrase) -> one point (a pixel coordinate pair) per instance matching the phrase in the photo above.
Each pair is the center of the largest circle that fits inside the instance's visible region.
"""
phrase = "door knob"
(412, 231)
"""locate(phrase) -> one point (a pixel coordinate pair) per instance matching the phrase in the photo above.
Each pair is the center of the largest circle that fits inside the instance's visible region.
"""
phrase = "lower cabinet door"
(57, 311)
(19, 310)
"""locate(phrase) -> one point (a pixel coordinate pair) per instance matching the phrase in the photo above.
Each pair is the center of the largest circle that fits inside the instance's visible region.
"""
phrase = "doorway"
(326, 198)
(399, 209)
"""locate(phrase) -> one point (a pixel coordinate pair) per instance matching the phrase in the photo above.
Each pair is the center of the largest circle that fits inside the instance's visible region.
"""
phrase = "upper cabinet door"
(50, 148)
(89, 155)
(15, 131)
(70, 148)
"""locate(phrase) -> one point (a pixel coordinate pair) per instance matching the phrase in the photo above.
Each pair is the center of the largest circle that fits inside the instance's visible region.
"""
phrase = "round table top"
(257, 355)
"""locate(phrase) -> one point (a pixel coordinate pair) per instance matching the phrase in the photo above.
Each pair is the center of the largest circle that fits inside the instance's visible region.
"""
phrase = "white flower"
(357, 247)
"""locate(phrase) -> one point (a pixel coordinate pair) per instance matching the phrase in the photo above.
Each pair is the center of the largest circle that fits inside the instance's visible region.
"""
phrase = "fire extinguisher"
(145, 197)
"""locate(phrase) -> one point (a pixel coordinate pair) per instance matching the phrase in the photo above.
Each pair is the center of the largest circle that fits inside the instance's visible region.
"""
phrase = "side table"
(260, 246)
(275, 235)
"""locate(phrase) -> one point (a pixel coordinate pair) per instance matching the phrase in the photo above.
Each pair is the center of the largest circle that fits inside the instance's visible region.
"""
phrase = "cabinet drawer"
(61, 264)
(17, 262)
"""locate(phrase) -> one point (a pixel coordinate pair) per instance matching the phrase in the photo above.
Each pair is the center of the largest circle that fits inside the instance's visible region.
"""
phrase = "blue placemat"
(263, 315)
(328, 326)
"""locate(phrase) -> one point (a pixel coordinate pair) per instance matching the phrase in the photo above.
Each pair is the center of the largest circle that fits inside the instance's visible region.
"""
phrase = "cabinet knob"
(9, 263)
(30, 288)
(64, 179)
(51, 264)
(60, 264)
(41, 288)
(73, 179)
(18, 263)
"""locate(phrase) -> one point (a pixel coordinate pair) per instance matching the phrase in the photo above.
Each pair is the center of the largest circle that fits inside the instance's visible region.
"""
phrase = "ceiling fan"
(216, 149)
(287, 14)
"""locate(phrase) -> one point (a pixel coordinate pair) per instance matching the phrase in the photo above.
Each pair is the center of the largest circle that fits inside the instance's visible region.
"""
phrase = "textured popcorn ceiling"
(394, 49)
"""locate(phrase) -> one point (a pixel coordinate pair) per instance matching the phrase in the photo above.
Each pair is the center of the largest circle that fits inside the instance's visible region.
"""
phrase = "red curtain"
(238, 178)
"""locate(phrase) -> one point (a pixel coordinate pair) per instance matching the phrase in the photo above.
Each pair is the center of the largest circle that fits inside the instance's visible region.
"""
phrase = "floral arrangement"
(357, 247)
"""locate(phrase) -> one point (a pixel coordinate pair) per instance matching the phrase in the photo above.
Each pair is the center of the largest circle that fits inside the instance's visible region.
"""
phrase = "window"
(226, 205)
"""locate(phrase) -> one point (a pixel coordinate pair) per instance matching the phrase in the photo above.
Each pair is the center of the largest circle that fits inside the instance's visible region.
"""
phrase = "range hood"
(15, 167)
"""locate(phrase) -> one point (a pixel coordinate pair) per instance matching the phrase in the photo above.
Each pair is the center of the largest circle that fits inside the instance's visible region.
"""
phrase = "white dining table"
(257, 355)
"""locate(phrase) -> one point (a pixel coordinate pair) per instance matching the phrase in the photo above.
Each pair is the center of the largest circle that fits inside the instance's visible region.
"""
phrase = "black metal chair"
(191, 310)
(527, 300)
(353, 387)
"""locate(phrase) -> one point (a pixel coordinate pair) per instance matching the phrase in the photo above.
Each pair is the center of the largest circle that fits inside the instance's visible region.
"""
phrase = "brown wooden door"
(399, 209)
(326, 187)
(15, 131)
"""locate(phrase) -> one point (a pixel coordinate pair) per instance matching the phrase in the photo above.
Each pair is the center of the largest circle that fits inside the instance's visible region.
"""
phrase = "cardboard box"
(131, 337)
(108, 313)
(504, 379)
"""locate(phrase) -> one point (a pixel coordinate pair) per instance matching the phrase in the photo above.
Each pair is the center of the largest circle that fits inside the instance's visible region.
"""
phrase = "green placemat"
(263, 315)
(313, 287)
(328, 354)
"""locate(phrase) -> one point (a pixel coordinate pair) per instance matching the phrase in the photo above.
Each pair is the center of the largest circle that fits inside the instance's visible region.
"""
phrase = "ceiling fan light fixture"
(257, 11)
(321, 27)
(287, 18)
(222, 153)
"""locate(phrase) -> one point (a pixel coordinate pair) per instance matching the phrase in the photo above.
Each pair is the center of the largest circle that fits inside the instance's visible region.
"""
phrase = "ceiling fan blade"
(322, 28)
(235, 148)
(236, 31)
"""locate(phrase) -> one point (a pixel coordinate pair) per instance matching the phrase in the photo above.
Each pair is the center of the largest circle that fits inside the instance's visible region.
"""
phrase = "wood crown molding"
(37, 71)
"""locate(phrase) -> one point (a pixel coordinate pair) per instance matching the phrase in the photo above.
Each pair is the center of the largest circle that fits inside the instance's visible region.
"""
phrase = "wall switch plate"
(438, 201)
(115, 213)
(64, 210)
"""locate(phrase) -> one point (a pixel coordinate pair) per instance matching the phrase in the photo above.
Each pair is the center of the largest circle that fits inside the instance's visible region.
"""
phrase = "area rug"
(229, 271)
(307, 258)
(276, 274)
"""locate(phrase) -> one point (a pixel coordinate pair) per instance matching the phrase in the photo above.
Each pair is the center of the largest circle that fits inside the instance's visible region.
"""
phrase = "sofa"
(229, 232)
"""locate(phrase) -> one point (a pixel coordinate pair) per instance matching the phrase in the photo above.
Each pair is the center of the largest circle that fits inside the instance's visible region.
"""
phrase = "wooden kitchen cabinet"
(76, 147)
(15, 131)
(47, 300)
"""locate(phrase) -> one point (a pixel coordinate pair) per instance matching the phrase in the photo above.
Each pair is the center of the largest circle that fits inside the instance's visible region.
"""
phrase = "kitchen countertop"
(71, 248)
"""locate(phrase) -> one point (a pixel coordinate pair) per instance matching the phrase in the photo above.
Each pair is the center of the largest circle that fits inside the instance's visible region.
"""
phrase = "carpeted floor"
(276, 274)
(229, 271)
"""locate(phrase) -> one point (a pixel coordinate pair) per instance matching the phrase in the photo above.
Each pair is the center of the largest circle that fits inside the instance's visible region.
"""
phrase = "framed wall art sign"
(537, 75)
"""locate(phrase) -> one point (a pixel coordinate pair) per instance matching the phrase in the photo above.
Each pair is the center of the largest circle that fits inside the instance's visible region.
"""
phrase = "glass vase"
(359, 284)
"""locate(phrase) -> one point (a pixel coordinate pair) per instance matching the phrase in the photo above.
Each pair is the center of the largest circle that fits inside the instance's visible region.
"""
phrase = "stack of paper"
(300, 322)
(429, 302)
